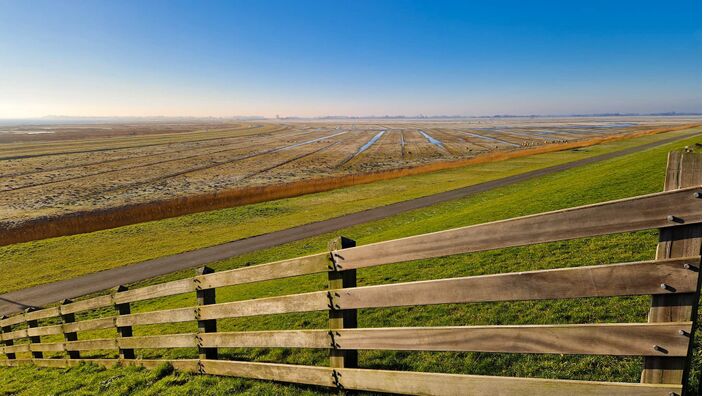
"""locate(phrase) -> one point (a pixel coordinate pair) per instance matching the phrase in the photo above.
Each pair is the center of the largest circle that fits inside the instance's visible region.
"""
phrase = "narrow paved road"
(91, 283)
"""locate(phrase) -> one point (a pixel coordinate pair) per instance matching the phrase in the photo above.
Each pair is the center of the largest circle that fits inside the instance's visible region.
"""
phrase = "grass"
(61, 258)
(631, 175)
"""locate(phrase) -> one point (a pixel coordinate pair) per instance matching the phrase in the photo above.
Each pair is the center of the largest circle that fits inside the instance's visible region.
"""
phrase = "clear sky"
(310, 58)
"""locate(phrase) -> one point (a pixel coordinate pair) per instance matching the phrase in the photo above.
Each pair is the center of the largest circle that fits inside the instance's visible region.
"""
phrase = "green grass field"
(67, 257)
(631, 175)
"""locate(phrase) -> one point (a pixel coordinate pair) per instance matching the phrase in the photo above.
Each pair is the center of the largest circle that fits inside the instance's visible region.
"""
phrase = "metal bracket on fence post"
(684, 169)
(124, 331)
(205, 297)
(7, 329)
(71, 335)
(340, 318)
(34, 339)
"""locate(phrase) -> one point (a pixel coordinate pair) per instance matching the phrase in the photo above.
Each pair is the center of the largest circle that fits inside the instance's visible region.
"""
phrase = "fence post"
(34, 339)
(124, 331)
(205, 297)
(71, 335)
(339, 278)
(7, 329)
(684, 169)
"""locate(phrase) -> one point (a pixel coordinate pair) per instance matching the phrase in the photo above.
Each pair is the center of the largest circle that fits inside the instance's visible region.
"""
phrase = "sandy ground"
(65, 169)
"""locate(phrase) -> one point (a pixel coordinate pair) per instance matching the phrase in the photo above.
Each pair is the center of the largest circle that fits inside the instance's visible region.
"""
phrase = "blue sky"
(310, 58)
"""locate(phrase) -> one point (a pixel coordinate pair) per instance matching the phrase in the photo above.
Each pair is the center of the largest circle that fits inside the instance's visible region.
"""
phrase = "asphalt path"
(48, 293)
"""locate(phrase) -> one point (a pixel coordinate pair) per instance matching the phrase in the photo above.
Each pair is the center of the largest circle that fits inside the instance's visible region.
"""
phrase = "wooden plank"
(16, 348)
(42, 314)
(88, 345)
(401, 382)
(123, 330)
(155, 291)
(180, 364)
(12, 320)
(45, 330)
(417, 383)
(619, 339)
(187, 340)
(155, 317)
(683, 170)
(205, 297)
(312, 264)
(309, 375)
(637, 278)
(93, 324)
(306, 302)
(269, 339)
(88, 304)
(13, 335)
(341, 318)
(632, 214)
(47, 347)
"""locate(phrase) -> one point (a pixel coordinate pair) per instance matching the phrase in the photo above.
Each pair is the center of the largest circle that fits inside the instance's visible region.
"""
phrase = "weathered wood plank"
(683, 170)
(16, 348)
(310, 375)
(92, 324)
(401, 382)
(593, 281)
(269, 339)
(186, 340)
(13, 335)
(87, 304)
(12, 320)
(154, 317)
(315, 301)
(180, 364)
(45, 330)
(42, 314)
(632, 214)
(620, 339)
(87, 345)
(47, 347)
(630, 339)
(312, 264)
(417, 383)
(154, 291)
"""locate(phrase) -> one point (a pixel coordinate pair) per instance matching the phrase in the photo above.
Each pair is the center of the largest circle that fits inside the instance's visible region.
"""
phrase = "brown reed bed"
(101, 219)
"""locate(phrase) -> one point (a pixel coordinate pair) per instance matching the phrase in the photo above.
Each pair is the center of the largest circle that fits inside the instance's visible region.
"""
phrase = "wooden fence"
(665, 341)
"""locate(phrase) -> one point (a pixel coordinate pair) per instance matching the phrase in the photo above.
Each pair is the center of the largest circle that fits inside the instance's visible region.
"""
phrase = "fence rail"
(673, 279)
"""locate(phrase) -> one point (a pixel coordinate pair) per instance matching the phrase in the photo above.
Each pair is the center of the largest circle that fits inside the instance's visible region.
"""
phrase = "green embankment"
(631, 175)
(39, 262)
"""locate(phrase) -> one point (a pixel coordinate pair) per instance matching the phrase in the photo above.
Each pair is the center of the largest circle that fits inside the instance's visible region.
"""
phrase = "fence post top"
(341, 242)
(204, 270)
(120, 288)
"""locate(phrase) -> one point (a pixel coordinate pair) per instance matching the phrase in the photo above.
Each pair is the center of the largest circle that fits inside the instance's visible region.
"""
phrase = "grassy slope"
(67, 257)
(632, 175)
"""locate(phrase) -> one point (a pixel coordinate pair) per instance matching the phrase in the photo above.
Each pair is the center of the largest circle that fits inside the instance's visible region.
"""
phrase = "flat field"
(52, 170)
(635, 174)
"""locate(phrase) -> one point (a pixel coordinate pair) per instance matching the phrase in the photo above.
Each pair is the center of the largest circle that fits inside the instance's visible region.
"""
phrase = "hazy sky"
(307, 58)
